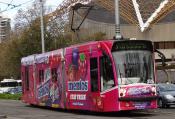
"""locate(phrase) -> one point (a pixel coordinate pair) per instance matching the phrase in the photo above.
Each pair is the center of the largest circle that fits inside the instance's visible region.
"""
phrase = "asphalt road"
(10, 109)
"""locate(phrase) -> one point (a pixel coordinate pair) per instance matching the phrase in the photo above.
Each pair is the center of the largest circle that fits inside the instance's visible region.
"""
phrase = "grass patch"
(11, 96)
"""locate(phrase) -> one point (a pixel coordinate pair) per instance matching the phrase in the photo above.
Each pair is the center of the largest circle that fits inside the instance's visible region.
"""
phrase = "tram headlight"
(98, 46)
(153, 89)
(122, 92)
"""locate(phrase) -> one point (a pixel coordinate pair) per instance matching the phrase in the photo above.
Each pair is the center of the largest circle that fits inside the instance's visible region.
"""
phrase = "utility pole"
(42, 26)
(118, 35)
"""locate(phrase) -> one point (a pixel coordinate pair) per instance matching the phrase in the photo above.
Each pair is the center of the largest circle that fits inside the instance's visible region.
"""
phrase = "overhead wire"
(13, 6)
(9, 4)
(6, 3)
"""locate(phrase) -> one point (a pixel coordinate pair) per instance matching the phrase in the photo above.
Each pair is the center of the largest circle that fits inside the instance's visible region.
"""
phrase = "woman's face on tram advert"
(71, 74)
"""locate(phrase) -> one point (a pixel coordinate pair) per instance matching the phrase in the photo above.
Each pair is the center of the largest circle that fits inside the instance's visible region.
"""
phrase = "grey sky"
(10, 13)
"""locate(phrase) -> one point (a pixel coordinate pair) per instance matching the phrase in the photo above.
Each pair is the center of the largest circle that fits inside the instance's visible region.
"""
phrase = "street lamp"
(75, 8)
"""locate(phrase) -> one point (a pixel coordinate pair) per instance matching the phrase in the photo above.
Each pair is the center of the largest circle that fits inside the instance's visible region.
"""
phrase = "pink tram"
(102, 76)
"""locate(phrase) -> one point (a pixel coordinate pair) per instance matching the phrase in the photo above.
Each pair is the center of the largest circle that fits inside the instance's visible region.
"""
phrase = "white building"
(4, 28)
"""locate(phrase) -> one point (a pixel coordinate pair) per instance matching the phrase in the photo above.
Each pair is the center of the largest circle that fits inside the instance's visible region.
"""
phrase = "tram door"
(34, 83)
(95, 84)
(106, 73)
(107, 83)
(28, 84)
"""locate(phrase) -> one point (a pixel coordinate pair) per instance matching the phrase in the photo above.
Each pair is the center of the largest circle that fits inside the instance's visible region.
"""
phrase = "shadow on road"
(130, 114)
(116, 114)
(171, 108)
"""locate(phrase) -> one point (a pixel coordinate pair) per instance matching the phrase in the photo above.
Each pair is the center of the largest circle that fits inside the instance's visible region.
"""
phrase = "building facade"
(162, 34)
(4, 28)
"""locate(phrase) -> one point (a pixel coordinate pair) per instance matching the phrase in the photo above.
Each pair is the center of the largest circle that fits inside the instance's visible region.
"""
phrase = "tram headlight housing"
(122, 92)
(153, 89)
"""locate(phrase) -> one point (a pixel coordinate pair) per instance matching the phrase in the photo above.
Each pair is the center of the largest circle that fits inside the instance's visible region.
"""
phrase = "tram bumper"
(145, 98)
(134, 103)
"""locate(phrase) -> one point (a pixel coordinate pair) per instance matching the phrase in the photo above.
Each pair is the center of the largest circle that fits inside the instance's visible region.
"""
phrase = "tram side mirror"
(162, 56)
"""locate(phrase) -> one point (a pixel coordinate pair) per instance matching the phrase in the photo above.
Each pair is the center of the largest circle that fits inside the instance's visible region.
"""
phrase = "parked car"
(166, 93)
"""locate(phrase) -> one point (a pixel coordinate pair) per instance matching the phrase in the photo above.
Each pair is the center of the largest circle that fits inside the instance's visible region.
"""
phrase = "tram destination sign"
(132, 45)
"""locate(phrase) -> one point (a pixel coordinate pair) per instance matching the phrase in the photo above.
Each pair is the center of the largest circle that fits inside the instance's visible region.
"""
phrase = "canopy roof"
(143, 13)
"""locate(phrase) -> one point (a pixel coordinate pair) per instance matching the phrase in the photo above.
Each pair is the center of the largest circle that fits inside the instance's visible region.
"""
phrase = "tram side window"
(41, 75)
(54, 74)
(27, 78)
(94, 74)
(107, 76)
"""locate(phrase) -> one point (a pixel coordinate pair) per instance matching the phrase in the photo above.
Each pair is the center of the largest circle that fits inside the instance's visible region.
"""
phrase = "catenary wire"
(14, 6)
(10, 4)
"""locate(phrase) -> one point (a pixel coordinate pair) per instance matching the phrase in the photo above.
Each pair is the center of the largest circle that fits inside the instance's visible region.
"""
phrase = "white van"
(7, 84)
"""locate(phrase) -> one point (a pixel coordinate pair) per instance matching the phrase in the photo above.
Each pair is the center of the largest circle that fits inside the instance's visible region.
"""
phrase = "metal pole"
(42, 26)
(0, 29)
(117, 20)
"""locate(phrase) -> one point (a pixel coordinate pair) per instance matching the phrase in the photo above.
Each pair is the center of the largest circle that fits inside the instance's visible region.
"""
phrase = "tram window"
(107, 76)
(41, 75)
(27, 78)
(54, 74)
(94, 74)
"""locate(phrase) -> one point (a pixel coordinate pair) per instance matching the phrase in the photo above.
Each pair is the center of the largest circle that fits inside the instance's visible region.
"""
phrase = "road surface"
(10, 109)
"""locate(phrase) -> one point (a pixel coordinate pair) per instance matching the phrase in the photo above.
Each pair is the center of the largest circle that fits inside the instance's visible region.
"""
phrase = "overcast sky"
(10, 13)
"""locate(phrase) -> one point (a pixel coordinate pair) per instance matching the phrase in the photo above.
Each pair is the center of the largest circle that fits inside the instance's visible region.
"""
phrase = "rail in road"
(10, 109)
